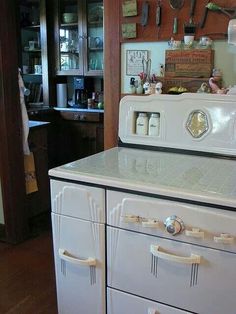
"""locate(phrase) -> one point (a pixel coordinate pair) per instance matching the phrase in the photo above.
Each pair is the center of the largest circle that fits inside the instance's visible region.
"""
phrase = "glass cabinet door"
(95, 38)
(31, 56)
(80, 37)
(70, 37)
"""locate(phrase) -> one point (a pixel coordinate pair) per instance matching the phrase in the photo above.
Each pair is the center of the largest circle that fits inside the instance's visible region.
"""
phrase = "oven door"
(190, 277)
(79, 254)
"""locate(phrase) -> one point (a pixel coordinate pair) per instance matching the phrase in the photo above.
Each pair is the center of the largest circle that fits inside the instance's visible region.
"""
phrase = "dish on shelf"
(95, 14)
(69, 18)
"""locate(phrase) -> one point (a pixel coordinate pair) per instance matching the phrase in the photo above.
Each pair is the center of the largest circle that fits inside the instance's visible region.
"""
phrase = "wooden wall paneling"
(112, 72)
(215, 27)
(11, 154)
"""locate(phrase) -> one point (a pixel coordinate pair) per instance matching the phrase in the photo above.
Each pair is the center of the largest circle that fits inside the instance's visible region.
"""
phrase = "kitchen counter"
(37, 124)
(193, 178)
(34, 110)
(79, 110)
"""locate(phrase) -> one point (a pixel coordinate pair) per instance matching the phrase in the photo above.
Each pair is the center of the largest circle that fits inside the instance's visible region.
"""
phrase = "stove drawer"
(120, 302)
(79, 201)
(189, 277)
(206, 226)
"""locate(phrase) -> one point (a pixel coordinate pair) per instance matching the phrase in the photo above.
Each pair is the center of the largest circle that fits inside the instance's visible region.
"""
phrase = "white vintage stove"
(149, 227)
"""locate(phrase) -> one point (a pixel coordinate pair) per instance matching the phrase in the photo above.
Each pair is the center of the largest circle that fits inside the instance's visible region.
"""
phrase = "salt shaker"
(142, 124)
(154, 124)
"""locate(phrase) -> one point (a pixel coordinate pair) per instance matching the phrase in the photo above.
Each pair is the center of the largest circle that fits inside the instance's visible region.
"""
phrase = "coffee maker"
(80, 96)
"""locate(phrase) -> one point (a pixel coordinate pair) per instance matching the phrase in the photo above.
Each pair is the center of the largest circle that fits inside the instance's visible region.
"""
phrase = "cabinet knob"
(174, 225)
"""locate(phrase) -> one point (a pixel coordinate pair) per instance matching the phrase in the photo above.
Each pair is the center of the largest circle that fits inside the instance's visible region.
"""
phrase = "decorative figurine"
(171, 43)
(139, 87)
(232, 90)
(204, 88)
(215, 82)
(162, 70)
(158, 88)
(132, 85)
(147, 88)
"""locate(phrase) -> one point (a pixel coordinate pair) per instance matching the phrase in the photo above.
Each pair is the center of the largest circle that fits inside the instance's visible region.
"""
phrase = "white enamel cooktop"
(196, 178)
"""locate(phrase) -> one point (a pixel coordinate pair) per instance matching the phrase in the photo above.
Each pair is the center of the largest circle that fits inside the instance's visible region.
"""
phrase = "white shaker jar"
(142, 124)
(154, 124)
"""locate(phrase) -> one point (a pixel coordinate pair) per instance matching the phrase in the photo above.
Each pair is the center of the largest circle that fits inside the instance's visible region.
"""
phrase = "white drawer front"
(119, 302)
(79, 201)
(205, 288)
(79, 254)
(122, 208)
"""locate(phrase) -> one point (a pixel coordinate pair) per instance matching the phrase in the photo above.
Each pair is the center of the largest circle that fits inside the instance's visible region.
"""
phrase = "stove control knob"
(174, 225)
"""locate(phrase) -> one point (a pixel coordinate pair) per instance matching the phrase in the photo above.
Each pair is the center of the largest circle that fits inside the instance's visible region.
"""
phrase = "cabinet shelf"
(69, 25)
(95, 24)
(69, 53)
(32, 74)
(32, 27)
(96, 49)
(32, 51)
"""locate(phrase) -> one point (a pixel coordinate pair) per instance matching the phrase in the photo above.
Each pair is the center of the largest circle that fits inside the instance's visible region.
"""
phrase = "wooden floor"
(27, 280)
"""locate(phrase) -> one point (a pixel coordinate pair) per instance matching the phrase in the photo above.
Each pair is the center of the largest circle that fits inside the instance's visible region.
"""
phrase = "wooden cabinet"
(33, 50)
(82, 133)
(39, 201)
(87, 138)
(79, 37)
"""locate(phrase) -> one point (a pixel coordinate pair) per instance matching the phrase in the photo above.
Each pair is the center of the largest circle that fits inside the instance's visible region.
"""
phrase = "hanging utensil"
(215, 7)
(158, 17)
(204, 17)
(190, 28)
(192, 8)
(144, 14)
(147, 69)
(176, 5)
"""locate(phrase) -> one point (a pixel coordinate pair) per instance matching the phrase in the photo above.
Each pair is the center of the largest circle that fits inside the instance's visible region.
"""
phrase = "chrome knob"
(174, 225)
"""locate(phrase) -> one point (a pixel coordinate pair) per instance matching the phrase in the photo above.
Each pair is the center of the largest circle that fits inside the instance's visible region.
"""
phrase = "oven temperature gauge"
(174, 225)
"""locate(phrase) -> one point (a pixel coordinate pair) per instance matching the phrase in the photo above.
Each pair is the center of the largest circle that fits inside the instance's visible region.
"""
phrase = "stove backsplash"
(195, 122)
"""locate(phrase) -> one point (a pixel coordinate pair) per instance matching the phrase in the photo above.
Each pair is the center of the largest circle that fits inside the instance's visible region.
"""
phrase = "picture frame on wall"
(134, 61)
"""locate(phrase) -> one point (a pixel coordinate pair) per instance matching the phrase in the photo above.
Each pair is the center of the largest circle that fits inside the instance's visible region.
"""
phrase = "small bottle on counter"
(142, 124)
(90, 103)
(154, 124)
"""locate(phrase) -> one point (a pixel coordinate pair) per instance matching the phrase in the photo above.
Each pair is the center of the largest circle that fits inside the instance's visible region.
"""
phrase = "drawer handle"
(148, 223)
(192, 259)
(195, 233)
(153, 311)
(91, 262)
(69, 258)
(151, 223)
(130, 218)
(224, 238)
